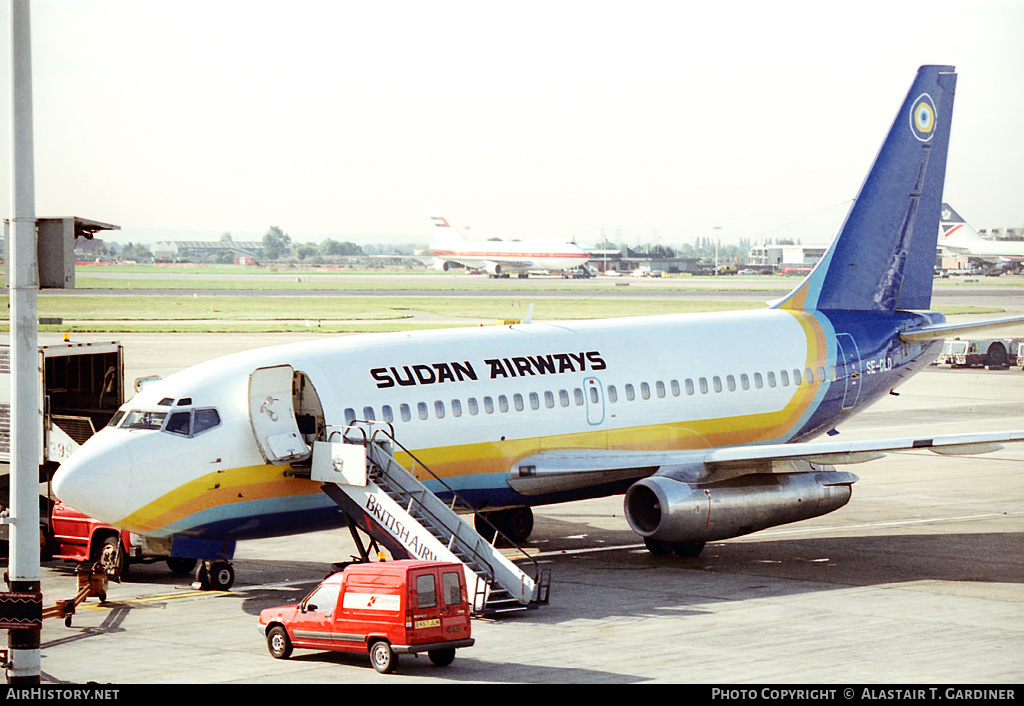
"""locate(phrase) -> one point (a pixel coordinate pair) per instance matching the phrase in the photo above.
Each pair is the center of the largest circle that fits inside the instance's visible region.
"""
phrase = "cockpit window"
(192, 422)
(143, 420)
(188, 422)
(204, 419)
(179, 423)
(116, 418)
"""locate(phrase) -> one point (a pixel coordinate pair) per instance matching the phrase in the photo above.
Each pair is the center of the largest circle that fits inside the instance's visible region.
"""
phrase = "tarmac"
(918, 580)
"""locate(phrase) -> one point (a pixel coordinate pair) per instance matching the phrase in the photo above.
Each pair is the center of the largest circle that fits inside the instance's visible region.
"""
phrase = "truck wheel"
(111, 558)
(996, 356)
(442, 658)
(278, 644)
(382, 657)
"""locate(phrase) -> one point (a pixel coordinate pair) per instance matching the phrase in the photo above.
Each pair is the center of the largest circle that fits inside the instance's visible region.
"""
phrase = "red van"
(381, 608)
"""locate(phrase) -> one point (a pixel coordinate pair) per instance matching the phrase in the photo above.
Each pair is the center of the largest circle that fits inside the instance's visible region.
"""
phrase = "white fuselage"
(468, 402)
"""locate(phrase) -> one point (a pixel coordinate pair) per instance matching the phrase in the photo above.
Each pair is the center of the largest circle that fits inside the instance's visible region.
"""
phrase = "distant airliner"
(498, 257)
(959, 237)
(707, 422)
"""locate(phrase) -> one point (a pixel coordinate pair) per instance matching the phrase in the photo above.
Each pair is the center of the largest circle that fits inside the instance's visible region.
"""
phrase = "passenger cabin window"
(613, 395)
(405, 411)
(474, 408)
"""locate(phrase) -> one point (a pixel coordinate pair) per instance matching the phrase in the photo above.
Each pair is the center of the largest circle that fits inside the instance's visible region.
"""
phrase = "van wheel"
(442, 658)
(278, 644)
(382, 657)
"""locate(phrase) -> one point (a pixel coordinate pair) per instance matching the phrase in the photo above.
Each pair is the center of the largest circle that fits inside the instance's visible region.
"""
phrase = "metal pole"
(23, 280)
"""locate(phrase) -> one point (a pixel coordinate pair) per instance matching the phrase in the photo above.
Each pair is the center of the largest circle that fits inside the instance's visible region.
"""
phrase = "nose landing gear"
(214, 576)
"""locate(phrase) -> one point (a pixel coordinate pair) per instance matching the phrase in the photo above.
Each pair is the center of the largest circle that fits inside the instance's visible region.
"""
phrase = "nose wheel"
(214, 576)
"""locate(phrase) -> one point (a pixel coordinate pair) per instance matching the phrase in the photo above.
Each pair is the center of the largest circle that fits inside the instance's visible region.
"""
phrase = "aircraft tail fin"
(883, 258)
(955, 229)
(441, 231)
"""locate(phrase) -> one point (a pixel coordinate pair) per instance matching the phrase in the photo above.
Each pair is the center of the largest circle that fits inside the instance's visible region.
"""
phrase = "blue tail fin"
(883, 258)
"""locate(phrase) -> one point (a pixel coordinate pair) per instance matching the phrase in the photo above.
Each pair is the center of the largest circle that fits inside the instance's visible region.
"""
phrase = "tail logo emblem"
(922, 118)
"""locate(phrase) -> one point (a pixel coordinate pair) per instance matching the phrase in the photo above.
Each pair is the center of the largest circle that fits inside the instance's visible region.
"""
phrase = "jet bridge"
(384, 500)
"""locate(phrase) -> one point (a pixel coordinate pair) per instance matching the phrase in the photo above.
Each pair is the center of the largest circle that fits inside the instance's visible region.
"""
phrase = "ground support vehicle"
(993, 353)
(80, 389)
(78, 537)
(382, 609)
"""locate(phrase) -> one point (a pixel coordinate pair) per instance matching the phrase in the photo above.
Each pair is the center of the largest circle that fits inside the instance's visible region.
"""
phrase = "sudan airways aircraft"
(958, 236)
(497, 257)
(708, 437)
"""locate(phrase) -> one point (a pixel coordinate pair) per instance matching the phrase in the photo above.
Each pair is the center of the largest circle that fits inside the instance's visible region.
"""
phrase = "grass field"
(121, 299)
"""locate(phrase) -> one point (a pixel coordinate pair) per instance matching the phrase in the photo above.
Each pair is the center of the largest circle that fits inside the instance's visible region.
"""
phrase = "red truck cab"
(81, 538)
(383, 609)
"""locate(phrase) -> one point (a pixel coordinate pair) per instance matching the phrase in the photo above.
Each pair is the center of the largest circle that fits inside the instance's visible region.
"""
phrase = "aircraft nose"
(95, 479)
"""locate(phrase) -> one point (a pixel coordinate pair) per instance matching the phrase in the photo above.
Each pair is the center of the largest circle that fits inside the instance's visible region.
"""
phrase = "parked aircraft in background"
(959, 237)
(707, 422)
(499, 257)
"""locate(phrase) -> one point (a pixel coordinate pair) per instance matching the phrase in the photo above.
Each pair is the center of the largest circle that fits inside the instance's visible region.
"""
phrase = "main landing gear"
(214, 576)
(516, 523)
(683, 550)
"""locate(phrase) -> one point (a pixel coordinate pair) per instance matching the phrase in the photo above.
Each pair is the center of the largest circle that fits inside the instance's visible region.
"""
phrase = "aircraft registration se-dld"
(706, 422)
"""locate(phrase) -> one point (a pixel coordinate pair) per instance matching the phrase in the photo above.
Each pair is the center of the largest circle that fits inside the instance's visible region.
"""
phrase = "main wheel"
(181, 566)
(382, 657)
(687, 550)
(278, 644)
(442, 658)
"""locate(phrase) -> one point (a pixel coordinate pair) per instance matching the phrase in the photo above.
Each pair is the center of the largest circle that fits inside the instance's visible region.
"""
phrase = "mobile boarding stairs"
(358, 470)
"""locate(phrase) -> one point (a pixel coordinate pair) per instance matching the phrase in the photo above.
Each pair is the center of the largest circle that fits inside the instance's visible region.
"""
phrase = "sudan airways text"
(511, 367)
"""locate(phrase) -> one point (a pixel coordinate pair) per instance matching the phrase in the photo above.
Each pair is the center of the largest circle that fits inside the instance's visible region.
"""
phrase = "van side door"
(313, 623)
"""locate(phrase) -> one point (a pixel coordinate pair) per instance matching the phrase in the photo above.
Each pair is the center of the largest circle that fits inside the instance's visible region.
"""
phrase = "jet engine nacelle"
(664, 509)
(493, 269)
(441, 265)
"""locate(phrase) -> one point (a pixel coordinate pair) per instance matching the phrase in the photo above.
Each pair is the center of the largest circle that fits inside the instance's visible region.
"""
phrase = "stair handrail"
(387, 429)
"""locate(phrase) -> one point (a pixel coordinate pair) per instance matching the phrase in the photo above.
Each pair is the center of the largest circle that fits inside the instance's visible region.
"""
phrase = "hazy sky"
(643, 121)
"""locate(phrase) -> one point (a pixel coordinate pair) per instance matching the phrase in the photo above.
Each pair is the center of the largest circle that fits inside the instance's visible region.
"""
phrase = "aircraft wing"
(572, 469)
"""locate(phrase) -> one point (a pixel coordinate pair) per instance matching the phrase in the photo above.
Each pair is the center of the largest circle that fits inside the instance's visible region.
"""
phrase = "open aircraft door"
(272, 415)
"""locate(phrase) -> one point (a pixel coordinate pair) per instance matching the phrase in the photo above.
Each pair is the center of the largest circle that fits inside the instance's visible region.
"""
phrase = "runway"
(918, 580)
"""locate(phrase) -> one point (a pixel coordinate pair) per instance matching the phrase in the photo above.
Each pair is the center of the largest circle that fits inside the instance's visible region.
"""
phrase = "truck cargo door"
(272, 415)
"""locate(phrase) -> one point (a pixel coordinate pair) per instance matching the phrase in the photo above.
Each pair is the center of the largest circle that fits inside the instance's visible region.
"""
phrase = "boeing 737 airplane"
(498, 257)
(959, 237)
(708, 422)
